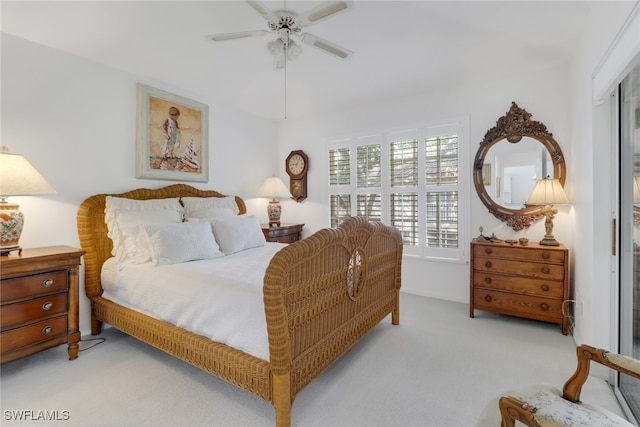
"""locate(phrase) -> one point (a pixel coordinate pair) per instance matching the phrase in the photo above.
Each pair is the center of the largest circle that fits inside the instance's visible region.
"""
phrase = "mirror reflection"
(511, 171)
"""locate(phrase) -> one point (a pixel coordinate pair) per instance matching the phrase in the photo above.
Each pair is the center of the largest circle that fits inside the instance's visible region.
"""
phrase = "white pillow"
(124, 217)
(194, 204)
(213, 213)
(237, 234)
(187, 241)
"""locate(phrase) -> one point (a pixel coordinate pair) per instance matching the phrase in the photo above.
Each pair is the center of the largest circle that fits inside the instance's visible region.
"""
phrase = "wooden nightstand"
(39, 301)
(527, 281)
(286, 233)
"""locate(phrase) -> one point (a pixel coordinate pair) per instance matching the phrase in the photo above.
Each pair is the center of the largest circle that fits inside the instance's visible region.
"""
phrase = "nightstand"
(39, 301)
(285, 233)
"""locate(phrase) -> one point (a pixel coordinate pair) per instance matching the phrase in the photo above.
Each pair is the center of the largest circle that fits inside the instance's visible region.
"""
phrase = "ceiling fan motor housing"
(286, 21)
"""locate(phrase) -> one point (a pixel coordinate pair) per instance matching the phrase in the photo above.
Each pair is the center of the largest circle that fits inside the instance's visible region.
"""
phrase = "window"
(410, 179)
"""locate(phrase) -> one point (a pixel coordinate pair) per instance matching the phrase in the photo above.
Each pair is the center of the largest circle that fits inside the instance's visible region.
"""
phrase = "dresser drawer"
(518, 305)
(286, 233)
(20, 313)
(33, 334)
(32, 286)
(520, 253)
(290, 238)
(523, 285)
(519, 268)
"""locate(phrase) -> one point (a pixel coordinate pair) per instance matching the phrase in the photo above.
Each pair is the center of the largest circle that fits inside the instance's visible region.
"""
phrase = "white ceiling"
(400, 47)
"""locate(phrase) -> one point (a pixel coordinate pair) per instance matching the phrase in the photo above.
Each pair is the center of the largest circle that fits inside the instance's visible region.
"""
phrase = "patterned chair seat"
(546, 406)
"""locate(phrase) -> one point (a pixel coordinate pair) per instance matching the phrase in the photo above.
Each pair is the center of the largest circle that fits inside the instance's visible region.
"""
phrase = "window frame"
(422, 132)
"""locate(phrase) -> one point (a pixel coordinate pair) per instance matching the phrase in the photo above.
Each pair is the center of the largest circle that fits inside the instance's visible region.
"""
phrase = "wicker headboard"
(92, 229)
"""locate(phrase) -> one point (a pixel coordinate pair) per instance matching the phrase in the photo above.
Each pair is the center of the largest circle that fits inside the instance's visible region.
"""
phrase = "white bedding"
(218, 298)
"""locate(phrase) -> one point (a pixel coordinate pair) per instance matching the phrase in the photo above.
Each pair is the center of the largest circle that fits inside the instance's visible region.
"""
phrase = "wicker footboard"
(323, 293)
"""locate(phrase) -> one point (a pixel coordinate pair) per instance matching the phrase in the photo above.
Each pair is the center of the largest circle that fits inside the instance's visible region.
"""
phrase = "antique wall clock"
(297, 166)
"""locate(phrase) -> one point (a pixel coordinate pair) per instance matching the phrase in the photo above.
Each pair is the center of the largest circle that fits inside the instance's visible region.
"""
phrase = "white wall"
(542, 92)
(593, 180)
(74, 120)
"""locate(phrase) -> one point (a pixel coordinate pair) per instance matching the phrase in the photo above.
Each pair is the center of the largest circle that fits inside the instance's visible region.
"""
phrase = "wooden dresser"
(527, 281)
(39, 301)
(286, 233)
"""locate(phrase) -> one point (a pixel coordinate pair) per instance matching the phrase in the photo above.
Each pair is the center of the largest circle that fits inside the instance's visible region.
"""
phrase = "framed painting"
(486, 173)
(172, 136)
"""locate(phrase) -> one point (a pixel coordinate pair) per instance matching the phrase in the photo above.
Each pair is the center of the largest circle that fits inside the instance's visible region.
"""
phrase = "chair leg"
(512, 410)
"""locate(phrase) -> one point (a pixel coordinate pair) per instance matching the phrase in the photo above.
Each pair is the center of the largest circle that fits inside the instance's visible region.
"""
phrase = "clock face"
(296, 164)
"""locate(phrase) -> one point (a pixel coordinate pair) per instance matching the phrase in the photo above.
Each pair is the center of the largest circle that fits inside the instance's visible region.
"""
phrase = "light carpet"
(438, 368)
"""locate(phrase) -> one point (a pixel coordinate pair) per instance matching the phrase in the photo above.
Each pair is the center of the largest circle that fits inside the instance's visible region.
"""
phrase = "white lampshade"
(273, 188)
(19, 178)
(636, 189)
(548, 191)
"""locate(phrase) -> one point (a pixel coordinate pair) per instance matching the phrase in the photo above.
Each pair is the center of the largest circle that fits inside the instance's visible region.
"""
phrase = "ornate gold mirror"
(513, 155)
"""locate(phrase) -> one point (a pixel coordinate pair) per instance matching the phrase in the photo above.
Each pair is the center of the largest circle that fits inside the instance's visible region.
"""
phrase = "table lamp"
(273, 188)
(548, 192)
(17, 178)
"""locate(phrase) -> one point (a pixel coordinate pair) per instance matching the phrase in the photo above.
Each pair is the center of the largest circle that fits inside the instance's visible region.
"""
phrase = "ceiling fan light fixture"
(275, 46)
(293, 50)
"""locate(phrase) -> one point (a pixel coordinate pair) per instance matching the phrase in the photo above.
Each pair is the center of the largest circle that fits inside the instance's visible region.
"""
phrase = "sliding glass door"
(629, 245)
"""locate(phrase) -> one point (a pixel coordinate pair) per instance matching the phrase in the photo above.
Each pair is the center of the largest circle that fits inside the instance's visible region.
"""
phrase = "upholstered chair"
(542, 406)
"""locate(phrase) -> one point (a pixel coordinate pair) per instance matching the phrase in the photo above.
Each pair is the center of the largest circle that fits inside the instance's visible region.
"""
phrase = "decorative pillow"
(187, 241)
(193, 205)
(213, 213)
(124, 217)
(237, 234)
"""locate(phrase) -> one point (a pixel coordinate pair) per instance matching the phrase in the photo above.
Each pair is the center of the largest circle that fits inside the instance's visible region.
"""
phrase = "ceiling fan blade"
(324, 11)
(262, 9)
(326, 45)
(239, 35)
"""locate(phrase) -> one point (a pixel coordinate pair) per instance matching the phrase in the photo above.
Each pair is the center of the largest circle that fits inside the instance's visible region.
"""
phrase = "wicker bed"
(321, 295)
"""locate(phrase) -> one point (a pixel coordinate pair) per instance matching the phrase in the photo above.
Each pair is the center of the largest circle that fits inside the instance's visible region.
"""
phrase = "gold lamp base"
(549, 212)
(549, 241)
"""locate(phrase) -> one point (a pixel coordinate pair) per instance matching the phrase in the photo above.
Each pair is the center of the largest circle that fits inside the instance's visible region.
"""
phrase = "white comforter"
(218, 298)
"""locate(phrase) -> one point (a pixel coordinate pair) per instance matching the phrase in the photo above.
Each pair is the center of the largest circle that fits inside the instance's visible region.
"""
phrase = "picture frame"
(486, 173)
(172, 141)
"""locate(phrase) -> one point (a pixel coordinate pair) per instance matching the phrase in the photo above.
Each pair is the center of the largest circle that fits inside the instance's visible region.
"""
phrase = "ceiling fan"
(287, 23)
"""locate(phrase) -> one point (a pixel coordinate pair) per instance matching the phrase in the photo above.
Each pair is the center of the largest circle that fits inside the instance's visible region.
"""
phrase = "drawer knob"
(545, 270)
(488, 280)
(47, 330)
(488, 298)
(488, 251)
(47, 283)
(47, 305)
(546, 255)
(544, 307)
(545, 287)
(488, 264)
